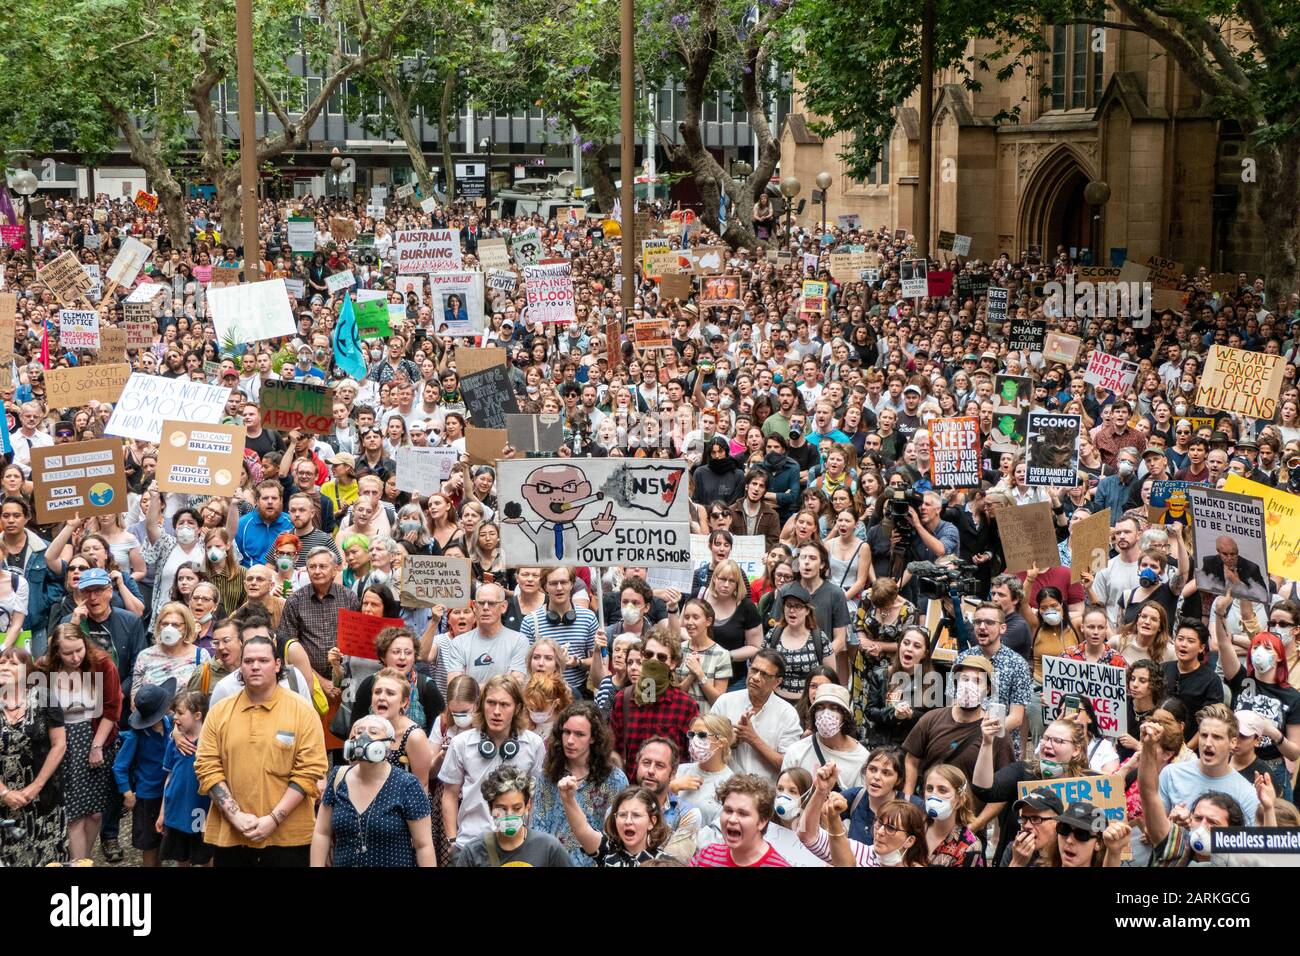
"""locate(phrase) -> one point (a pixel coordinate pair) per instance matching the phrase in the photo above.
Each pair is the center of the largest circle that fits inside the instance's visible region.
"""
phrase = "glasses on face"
(655, 656)
(888, 827)
(985, 623)
(784, 576)
(762, 675)
(1080, 834)
(1034, 821)
(1058, 741)
(698, 734)
(630, 816)
(487, 604)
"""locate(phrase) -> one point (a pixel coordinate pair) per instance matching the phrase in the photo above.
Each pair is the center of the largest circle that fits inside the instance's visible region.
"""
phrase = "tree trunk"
(1279, 180)
(595, 170)
(145, 153)
(401, 105)
(228, 201)
(444, 134)
(172, 200)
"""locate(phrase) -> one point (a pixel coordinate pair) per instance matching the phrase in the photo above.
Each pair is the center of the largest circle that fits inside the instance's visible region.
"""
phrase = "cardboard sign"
(1246, 383)
(535, 432)
(1104, 793)
(594, 512)
(998, 297)
(705, 260)
(339, 281)
(139, 334)
(1224, 283)
(549, 288)
(721, 291)
(1110, 372)
(300, 232)
(428, 581)
(71, 387)
(251, 312)
(128, 262)
(423, 470)
(66, 279)
(226, 275)
(112, 344)
(913, 273)
(78, 329)
(489, 396)
(1281, 523)
(200, 459)
(427, 250)
(659, 261)
(1052, 441)
(289, 405)
(1089, 544)
(1028, 536)
(1027, 335)
(493, 254)
(469, 361)
(502, 281)
(1059, 347)
(8, 324)
(343, 229)
(148, 400)
(675, 287)
(458, 302)
(484, 445)
(1230, 546)
(955, 452)
(614, 342)
(357, 632)
(1104, 686)
(1168, 299)
(78, 480)
(653, 333)
(1165, 273)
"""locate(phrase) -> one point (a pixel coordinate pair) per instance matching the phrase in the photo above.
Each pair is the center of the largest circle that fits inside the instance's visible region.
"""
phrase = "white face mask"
(186, 535)
(969, 695)
(1284, 631)
(462, 720)
(937, 808)
(1263, 658)
(788, 807)
(1199, 838)
(892, 858)
(216, 555)
(540, 716)
(169, 635)
(631, 614)
(828, 723)
(1052, 617)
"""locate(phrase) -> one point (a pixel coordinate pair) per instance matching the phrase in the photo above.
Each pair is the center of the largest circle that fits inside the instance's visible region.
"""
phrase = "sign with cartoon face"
(594, 512)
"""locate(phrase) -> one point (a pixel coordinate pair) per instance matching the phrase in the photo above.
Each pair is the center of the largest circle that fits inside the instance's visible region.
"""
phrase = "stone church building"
(1123, 115)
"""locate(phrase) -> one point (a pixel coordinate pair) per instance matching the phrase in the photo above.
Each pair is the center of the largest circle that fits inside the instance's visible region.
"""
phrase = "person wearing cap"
(1035, 841)
(138, 766)
(952, 734)
(63, 433)
(834, 739)
(1085, 839)
(342, 489)
(118, 633)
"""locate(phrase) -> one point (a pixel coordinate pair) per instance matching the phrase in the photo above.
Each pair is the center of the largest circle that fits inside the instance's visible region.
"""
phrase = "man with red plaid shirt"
(650, 706)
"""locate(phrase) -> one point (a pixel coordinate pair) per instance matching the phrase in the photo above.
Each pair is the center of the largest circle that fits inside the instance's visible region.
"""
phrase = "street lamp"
(824, 184)
(25, 185)
(336, 164)
(789, 189)
(486, 144)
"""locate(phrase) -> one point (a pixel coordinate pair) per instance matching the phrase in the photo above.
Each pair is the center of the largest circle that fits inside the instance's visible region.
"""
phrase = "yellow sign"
(1281, 524)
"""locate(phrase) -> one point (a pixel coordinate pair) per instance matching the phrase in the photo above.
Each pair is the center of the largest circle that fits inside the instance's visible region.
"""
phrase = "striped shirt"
(719, 855)
(578, 639)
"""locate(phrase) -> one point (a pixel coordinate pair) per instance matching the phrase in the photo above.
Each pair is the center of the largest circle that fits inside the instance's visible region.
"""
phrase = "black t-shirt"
(268, 441)
(730, 634)
(907, 425)
(806, 455)
(1197, 689)
(1280, 705)
(1258, 766)
(1018, 637)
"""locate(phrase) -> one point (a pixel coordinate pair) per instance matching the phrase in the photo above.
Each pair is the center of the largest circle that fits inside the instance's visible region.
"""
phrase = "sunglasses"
(657, 656)
(698, 734)
(1079, 833)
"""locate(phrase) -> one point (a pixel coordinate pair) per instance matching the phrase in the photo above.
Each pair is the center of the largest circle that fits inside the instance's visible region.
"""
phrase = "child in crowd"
(138, 768)
(184, 812)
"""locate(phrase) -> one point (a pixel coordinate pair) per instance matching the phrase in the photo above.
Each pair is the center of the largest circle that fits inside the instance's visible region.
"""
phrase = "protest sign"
(78, 329)
(96, 290)
(997, 300)
(1089, 544)
(457, 302)
(658, 258)
(202, 274)
(78, 480)
(1010, 427)
(404, 191)
(343, 229)
(225, 275)
(675, 286)
(653, 333)
(300, 232)
(1165, 273)
(493, 254)
(112, 344)
(146, 201)
(542, 432)
(423, 470)
(357, 632)
(614, 341)
(1027, 335)
(1028, 536)
(1110, 372)
(200, 459)
(1168, 300)
(939, 282)
(1105, 686)
(251, 312)
(1281, 523)
(1168, 501)
(8, 322)
(484, 445)
(1130, 271)
(1231, 550)
(289, 405)
(549, 288)
(961, 245)
(707, 260)
(720, 291)
(955, 452)
(469, 361)
(1224, 283)
(594, 512)
(427, 250)
(339, 281)
(913, 273)
(66, 279)
(489, 396)
(1059, 347)
(502, 281)
(812, 297)
(1246, 383)
(372, 319)
(429, 580)
(1014, 391)
(1107, 794)
(946, 240)
(849, 221)
(429, 204)
(148, 400)
(526, 246)
(1053, 449)
(69, 387)
(128, 262)
(139, 334)
(13, 236)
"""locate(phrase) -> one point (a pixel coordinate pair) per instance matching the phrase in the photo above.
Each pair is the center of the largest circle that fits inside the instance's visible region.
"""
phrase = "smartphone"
(1070, 704)
(998, 710)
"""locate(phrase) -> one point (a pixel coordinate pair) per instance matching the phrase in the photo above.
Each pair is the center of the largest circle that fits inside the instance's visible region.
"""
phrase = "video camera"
(899, 502)
(940, 580)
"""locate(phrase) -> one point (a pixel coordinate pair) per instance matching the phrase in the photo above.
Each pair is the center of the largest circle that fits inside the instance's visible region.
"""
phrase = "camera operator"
(927, 538)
